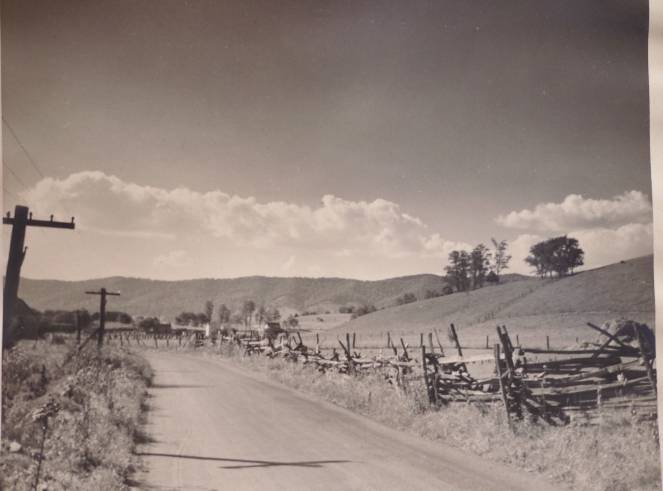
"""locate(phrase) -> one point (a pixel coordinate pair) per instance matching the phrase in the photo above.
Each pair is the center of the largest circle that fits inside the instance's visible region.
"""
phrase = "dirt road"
(216, 428)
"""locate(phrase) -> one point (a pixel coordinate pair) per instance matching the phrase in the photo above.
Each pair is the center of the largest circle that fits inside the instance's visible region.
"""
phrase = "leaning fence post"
(455, 338)
(498, 371)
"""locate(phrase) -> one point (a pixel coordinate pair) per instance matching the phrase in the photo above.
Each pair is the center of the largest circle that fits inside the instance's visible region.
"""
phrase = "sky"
(362, 139)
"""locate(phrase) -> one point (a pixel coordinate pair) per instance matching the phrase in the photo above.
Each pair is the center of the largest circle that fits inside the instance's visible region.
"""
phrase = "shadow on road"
(246, 464)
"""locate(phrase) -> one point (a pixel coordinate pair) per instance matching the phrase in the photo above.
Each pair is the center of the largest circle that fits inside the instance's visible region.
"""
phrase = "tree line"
(469, 270)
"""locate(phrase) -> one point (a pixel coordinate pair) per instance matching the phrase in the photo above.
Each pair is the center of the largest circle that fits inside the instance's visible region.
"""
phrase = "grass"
(89, 441)
(530, 308)
(619, 454)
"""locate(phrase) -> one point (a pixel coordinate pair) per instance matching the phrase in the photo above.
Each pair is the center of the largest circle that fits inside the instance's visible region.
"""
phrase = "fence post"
(354, 336)
(498, 371)
(646, 358)
(426, 381)
(548, 343)
(455, 338)
(78, 328)
(430, 342)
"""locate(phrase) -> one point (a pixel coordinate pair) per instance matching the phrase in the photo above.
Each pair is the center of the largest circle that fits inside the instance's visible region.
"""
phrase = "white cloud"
(601, 245)
(576, 212)
(288, 264)
(608, 230)
(176, 259)
(107, 204)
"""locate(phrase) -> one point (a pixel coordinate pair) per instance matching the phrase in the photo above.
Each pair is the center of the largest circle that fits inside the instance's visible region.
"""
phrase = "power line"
(30, 159)
(25, 151)
(14, 174)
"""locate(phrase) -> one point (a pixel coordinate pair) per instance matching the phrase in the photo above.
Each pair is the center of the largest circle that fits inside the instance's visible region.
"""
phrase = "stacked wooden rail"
(553, 385)
(618, 371)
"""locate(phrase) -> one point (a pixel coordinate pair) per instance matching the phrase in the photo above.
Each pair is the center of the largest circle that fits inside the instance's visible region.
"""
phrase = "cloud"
(288, 264)
(109, 205)
(176, 259)
(602, 246)
(576, 212)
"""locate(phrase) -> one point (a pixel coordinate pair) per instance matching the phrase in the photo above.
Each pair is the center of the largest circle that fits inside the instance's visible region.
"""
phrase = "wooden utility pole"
(102, 313)
(21, 220)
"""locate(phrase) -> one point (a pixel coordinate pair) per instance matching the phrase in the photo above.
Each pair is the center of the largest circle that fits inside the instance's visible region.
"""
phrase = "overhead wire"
(25, 151)
(30, 159)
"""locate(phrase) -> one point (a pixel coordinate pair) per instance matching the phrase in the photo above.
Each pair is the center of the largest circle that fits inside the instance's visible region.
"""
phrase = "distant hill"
(169, 298)
(528, 306)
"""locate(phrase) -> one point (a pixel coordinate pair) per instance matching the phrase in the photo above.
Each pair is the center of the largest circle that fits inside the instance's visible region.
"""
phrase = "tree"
(209, 310)
(363, 310)
(224, 314)
(261, 315)
(149, 324)
(559, 255)
(432, 294)
(406, 298)
(237, 318)
(248, 307)
(499, 258)
(272, 315)
(458, 270)
(479, 263)
(292, 321)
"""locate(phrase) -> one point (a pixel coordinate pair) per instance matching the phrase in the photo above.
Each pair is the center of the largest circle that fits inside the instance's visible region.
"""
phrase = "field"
(532, 309)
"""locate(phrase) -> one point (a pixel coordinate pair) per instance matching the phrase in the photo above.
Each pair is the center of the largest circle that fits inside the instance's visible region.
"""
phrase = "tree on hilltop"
(559, 255)
(458, 270)
(499, 259)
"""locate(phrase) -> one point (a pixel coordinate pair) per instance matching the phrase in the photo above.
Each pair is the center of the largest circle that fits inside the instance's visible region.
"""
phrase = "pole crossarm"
(33, 222)
(21, 220)
(102, 313)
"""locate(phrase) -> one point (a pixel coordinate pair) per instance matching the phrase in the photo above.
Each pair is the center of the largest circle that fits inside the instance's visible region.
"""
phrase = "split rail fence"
(552, 385)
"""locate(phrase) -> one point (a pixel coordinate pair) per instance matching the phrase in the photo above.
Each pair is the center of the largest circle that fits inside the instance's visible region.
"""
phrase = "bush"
(89, 440)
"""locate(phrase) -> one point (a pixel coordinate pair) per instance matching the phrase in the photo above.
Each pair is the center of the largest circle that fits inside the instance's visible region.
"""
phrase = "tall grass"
(619, 454)
(89, 441)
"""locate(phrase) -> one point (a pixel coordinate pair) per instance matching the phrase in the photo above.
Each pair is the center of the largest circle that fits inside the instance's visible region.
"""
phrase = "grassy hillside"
(531, 308)
(168, 298)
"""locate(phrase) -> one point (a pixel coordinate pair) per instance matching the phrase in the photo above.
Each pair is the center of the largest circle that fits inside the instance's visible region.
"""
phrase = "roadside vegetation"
(90, 406)
(619, 454)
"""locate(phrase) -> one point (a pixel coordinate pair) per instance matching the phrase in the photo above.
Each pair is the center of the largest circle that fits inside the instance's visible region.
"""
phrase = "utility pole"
(22, 219)
(102, 313)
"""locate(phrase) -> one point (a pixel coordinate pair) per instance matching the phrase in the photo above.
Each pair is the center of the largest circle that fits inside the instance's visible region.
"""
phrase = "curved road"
(214, 427)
